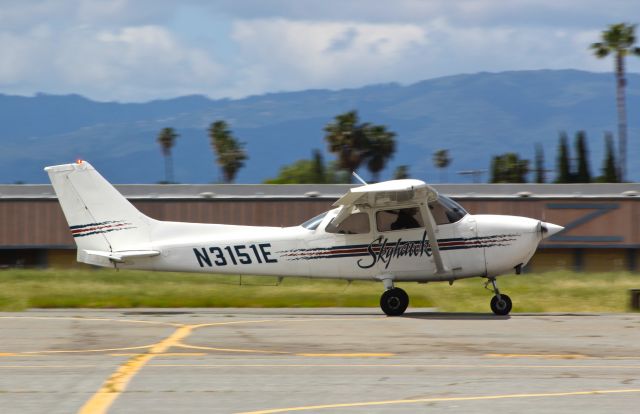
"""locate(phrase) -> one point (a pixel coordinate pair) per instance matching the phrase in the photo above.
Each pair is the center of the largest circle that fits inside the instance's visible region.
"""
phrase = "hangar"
(601, 220)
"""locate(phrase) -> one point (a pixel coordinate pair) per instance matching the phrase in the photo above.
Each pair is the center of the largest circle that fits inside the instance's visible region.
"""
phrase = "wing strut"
(430, 226)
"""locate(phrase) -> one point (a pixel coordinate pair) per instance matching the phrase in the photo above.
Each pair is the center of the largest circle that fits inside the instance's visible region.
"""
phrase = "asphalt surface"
(316, 361)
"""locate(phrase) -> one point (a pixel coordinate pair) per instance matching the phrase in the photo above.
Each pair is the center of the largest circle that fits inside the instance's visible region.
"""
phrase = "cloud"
(131, 63)
(295, 54)
(485, 13)
(136, 50)
(18, 15)
(280, 54)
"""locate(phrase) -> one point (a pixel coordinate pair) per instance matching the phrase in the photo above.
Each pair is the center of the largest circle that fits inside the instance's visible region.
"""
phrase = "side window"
(399, 219)
(357, 223)
(446, 211)
(439, 213)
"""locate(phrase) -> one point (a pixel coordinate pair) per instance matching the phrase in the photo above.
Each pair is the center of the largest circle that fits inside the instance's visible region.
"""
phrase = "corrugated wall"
(604, 223)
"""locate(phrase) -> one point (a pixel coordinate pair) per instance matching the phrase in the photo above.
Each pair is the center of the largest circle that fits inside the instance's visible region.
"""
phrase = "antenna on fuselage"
(359, 178)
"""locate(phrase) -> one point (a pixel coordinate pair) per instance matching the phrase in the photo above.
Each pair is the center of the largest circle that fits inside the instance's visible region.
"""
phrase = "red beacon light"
(79, 161)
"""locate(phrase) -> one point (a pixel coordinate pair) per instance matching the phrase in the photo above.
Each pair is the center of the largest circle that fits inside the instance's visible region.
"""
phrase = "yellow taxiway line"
(79, 318)
(117, 382)
(435, 366)
(111, 389)
(442, 399)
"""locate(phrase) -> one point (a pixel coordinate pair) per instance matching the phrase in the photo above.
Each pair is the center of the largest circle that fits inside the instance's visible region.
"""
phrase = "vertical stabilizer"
(99, 217)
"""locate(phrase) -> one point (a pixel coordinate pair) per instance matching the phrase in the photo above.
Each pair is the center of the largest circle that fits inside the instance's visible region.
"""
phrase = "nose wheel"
(500, 303)
(394, 301)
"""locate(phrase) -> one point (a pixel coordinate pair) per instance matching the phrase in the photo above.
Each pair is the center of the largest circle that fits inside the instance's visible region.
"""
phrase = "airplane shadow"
(320, 312)
(156, 313)
(456, 316)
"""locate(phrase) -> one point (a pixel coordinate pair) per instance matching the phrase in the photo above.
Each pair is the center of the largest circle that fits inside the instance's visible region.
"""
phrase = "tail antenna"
(359, 178)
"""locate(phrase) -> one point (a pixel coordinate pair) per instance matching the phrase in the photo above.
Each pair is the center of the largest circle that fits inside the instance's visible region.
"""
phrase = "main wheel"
(501, 306)
(394, 302)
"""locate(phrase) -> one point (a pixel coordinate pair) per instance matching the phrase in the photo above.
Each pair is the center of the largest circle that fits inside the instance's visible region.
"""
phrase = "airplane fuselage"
(477, 245)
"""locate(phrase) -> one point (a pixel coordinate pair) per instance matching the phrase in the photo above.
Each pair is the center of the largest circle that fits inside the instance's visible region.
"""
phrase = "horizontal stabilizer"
(99, 257)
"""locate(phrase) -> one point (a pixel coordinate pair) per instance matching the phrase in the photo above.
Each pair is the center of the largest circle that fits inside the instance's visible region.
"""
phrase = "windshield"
(446, 211)
(313, 223)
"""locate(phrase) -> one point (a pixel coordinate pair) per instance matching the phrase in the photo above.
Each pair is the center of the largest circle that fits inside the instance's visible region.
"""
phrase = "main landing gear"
(500, 303)
(394, 301)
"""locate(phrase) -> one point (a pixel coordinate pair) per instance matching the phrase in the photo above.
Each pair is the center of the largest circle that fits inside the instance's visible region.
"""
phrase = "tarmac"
(338, 360)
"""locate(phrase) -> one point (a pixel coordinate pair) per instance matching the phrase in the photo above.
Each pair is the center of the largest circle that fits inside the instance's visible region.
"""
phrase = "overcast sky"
(137, 50)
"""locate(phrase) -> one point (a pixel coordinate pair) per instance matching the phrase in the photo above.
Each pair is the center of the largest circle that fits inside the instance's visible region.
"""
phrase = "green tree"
(509, 168)
(563, 163)
(300, 172)
(441, 161)
(609, 170)
(540, 170)
(230, 153)
(380, 147)
(354, 143)
(401, 172)
(583, 173)
(619, 40)
(311, 171)
(167, 139)
(337, 175)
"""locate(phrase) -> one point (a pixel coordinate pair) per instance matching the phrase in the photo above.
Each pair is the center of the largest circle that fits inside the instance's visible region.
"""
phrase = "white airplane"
(393, 231)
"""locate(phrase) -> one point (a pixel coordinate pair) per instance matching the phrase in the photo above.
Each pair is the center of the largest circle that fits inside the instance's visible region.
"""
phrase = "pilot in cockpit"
(405, 219)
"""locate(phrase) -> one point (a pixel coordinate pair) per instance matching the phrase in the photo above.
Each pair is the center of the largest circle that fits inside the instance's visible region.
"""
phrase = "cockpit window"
(313, 223)
(357, 223)
(399, 219)
(446, 211)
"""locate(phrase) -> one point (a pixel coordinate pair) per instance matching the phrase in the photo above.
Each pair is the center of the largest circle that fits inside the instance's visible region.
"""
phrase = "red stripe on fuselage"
(98, 228)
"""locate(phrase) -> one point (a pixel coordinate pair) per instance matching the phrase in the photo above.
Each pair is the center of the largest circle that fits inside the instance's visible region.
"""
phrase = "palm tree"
(441, 160)
(346, 139)
(354, 143)
(380, 148)
(230, 153)
(619, 40)
(167, 139)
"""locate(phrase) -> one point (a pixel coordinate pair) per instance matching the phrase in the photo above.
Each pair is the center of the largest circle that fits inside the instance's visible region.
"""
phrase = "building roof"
(333, 191)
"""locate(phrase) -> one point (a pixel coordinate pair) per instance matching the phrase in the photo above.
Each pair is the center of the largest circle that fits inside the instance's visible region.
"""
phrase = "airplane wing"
(392, 193)
(389, 193)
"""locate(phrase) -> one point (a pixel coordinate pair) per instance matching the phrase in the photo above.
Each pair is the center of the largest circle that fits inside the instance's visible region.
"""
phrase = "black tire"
(394, 302)
(501, 306)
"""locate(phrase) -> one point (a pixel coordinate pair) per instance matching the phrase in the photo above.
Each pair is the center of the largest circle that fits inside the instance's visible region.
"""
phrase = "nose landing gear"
(500, 303)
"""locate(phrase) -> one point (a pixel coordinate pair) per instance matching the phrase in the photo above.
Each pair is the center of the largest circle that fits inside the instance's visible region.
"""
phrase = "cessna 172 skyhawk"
(392, 231)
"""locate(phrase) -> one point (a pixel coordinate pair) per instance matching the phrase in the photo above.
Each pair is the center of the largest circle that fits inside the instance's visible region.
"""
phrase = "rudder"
(99, 217)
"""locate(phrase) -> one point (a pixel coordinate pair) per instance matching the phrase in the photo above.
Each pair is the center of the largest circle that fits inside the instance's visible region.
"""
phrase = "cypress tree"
(540, 172)
(609, 168)
(496, 173)
(582, 175)
(319, 173)
(563, 162)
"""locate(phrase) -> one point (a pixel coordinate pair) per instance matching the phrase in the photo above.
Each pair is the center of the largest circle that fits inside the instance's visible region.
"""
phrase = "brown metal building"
(601, 220)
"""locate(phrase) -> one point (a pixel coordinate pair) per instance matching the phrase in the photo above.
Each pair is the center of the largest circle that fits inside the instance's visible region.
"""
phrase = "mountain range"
(474, 116)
